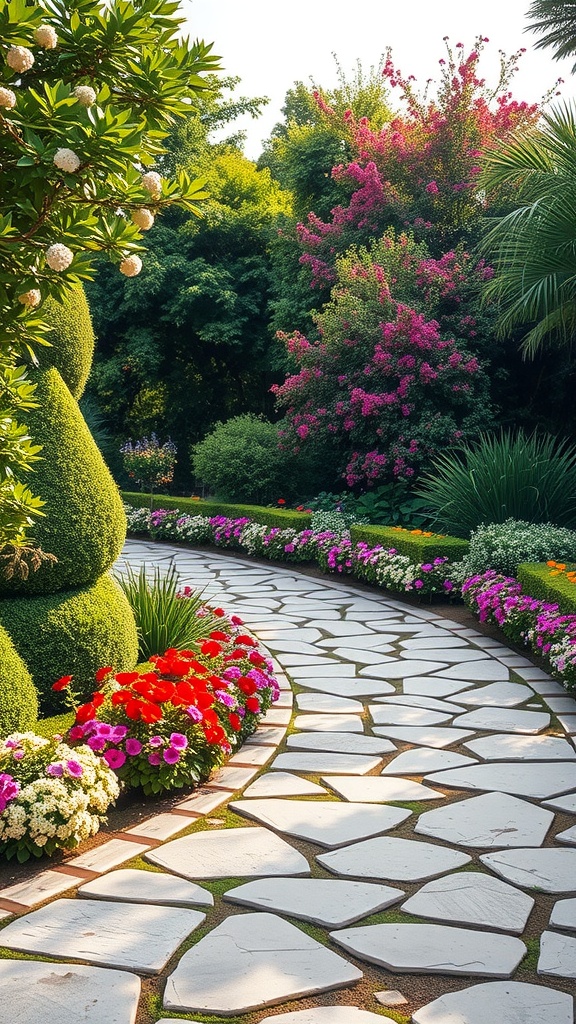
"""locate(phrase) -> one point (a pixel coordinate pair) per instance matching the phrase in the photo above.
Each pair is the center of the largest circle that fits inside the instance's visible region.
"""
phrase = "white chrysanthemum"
(85, 95)
(7, 98)
(58, 256)
(19, 58)
(67, 160)
(131, 266)
(46, 36)
(152, 182)
(30, 298)
(143, 218)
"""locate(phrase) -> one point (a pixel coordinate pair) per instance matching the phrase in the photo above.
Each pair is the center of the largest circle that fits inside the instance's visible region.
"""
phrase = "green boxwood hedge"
(18, 698)
(284, 518)
(71, 339)
(537, 581)
(416, 546)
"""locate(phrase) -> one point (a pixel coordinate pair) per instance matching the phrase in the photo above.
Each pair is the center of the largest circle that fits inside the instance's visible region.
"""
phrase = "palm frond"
(555, 21)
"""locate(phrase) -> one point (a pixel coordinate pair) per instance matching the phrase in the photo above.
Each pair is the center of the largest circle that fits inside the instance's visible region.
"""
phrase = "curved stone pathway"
(408, 843)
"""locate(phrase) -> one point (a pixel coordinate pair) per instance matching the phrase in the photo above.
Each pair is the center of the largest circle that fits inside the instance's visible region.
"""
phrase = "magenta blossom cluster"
(9, 789)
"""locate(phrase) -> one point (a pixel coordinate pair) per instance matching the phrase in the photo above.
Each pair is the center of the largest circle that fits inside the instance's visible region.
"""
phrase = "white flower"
(30, 298)
(85, 95)
(131, 266)
(7, 98)
(58, 256)
(152, 182)
(67, 160)
(143, 218)
(19, 58)
(46, 36)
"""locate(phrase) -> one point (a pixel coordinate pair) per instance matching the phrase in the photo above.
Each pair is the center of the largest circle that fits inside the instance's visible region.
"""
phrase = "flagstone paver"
(397, 860)
(381, 789)
(324, 1015)
(557, 955)
(400, 714)
(564, 914)
(239, 852)
(512, 747)
(283, 784)
(550, 870)
(504, 720)
(330, 902)
(472, 898)
(502, 1001)
(318, 763)
(425, 759)
(432, 736)
(66, 994)
(338, 742)
(329, 823)
(133, 886)
(539, 780)
(490, 820)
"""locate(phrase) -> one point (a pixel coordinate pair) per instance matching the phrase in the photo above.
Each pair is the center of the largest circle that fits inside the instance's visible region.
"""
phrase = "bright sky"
(271, 45)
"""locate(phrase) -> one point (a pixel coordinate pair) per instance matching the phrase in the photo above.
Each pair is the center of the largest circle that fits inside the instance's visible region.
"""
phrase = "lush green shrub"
(503, 546)
(502, 476)
(241, 461)
(413, 543)
(71, 339)
(85, 524)
(538, 581)
(18, 698)
(283, 518)
(75, 632)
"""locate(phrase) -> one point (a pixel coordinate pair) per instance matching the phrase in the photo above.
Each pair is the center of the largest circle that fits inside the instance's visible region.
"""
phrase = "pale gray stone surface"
(497, 695)
(433, 687)
(400, 714)
(424, 737)
(356, 688)
(134, 886)
(539, 780)
(339, 742)
(504, 720)
(320, 763)
(490, 820)
(564, 914)
(230, 853)
(450, 654)
(390, 998)
(414, 700)
(328, 823)
(557, 955)
(567, 804)
(325, 1015)
(283, 784)
(46, 993)
(477, 672)
(328, 702)
(329, 723)
(550, 870)
(425, 759)
(330, 902)
(381, 789)
(250, 961)
(399, 860)
(433, 949)
(473, 898)
(514, 747)
(504, 1002)
(401, 669)
(442, 640)
(128, 936)
(569, 836)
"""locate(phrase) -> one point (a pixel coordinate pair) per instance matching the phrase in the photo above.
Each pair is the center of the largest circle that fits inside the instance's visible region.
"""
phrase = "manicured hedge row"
(284, 518)
(416, 546)
(537, 580)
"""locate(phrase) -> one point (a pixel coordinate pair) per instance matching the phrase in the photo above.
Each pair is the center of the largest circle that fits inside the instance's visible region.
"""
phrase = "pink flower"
(156, 741)
(133, 747)
(154, 758)
(432, 188)
(171, 755)
(114, 758)
(178, 740)
(55, 770)
(74, 769)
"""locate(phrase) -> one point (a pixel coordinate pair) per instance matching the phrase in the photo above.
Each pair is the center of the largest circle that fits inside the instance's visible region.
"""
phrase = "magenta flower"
(154, 758)
(171, 755)
(114, 758)
(76, 732)
(55, 770)
(118, 733)
(9, 789)
(133, 747)
(178, 740)
(74, 769)
(156, 741)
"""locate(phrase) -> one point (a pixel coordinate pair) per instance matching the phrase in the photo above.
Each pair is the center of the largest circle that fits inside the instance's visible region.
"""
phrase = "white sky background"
(271, 45)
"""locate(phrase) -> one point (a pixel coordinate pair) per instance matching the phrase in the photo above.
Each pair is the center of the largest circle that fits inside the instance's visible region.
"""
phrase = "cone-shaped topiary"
(85, 524)
(74, 632)
(18, 700)
(71, 341)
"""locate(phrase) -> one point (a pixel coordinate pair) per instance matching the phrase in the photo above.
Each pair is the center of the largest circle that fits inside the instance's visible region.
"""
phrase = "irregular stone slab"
(569, 836)
(374, 656)
(433, 949)
(557, 955)
(378, 642)
(478, 672)
(400, 714)
(426, 759)
(426, 685)
(469, 897)
(325, 1015)
(250, 961)
(66, 993)
(340, 742)
(503, 720)
(550, 870)
(413, 700)
(400, 860)
(457, 655)
(430, 737)
(347, 687)
(497, 695)
(329, 723)
(492, 820)
(390, 998)
(508, 1002)
(442, 640)
(230, 853)
(283, 784)
(327, 823)
(377, 789)
(322, 669)
(510, 747)
(567, 804)
(129, 936)
(537, 780)
(329, 902)
(318, 763)
(330, 703)
(564, 914)
(147, 887)
(568, 723)
(401, 669)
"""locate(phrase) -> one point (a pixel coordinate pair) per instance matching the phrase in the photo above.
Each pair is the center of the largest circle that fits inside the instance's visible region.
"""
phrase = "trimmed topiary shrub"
(72, 633)
(240, 460)
(85, 524)
(413, 543)
(18, 699)
(537, 581)
(71, 341)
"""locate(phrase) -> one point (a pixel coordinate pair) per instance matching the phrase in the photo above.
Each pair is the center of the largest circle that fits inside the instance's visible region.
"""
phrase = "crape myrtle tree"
(88, 92)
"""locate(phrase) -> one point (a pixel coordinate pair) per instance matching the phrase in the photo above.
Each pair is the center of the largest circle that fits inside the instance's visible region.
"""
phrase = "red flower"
(97, 699)
(211, 649)
(219, 612)
(236, 620)
(125, 678)
(85, 713)
(256, 658)
(217, 634)
(103, 672)
(235, 721)
(122, 697)
(253, 705)
(281, 501)
(62, 683)
(247, 685)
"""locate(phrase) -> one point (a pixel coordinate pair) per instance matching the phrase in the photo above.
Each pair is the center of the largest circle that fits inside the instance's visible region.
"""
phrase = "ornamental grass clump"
(52, 797)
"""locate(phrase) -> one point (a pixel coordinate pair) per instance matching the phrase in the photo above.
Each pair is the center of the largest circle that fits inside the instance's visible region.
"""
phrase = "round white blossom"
(85, 95)
(131, 266)
(143, 218)
(19, 58)
(58, 256)
(30, 298)
(152, 182)
(67, 160)
(7, 98)
(46, 36)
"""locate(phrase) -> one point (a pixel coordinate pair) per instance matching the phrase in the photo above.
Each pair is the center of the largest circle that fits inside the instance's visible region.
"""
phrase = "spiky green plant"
(510, 475)
(556, 21)
(165, 615)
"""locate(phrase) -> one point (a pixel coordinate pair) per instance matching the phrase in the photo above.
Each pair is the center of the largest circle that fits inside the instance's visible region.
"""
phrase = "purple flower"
(114, 758)
(156, 741)
(96, 744)
(74, 769)
(55, 770)
(194, 713)
(118, 733)
(18, 754)
(226, 698)
(133, 746)
(171, 755)
(178, 740)
(9, 789)
(154, 758)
